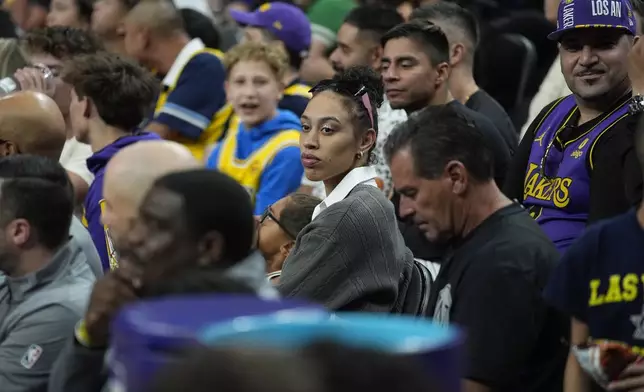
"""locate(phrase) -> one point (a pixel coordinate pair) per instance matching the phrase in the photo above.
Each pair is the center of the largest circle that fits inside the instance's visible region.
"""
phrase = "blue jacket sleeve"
(568, 287)
(198, 95)
(280, 178)
(211, 162)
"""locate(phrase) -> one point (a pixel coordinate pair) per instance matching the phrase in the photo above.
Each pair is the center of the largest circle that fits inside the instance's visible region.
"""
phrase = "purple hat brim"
(556, 35)
(245, 18)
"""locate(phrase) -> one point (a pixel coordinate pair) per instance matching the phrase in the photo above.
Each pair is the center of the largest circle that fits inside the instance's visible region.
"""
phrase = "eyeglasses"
(269, 214)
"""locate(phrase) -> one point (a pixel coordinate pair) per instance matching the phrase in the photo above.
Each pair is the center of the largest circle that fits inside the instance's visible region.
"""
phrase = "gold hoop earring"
(360, 155)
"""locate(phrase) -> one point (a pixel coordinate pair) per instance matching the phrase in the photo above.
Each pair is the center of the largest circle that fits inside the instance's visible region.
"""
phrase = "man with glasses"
(577, 164)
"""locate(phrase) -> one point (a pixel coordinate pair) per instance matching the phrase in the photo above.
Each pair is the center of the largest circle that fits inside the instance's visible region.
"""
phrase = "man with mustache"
(577, 163)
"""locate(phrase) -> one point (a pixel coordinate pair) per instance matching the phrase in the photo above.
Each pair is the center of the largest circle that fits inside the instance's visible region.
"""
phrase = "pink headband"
(366, 103)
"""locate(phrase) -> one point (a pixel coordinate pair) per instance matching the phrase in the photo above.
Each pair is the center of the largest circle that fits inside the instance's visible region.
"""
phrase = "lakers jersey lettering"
(555, 190)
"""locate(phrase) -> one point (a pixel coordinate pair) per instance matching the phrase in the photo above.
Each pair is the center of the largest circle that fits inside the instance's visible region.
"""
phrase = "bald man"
(128, 177)
(193, 86)
(31, 123)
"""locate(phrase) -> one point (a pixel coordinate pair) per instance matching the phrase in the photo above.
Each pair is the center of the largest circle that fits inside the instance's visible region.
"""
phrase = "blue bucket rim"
(224, 333)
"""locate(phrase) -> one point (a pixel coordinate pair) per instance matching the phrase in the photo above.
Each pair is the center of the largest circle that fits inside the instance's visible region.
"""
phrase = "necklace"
(542, 163)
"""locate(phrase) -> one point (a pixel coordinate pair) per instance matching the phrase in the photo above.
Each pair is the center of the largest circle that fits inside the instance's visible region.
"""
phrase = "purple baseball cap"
(285, 21)
(579, 14)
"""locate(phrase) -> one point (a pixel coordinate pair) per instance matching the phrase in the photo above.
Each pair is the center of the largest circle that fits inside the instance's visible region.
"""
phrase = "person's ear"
(18, 232)
(280, 90)
(376, 57)
(88, 107)
(442, 71)
(210, 249)
(457, 54)
(367, 141)
(286, 248)
(8, 148)
(120, 30)
(458, 177)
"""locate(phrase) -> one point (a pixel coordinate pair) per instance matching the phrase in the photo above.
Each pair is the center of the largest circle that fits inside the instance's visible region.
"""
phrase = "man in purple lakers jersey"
(577, 163)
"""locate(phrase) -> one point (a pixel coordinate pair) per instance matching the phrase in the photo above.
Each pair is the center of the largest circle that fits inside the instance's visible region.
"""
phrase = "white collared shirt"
(182, 59)
(360, 175)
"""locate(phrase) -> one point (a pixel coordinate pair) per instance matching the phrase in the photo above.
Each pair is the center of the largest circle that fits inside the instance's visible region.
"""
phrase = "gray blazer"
(351, 257)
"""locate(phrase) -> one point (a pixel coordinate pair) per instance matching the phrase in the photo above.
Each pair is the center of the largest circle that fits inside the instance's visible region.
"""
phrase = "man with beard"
(497, 260)
(576, 163)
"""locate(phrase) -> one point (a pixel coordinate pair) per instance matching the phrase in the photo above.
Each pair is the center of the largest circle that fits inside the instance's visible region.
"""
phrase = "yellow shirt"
(248, 172)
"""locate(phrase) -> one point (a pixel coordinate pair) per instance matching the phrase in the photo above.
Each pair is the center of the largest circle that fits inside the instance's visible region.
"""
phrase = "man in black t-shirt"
(462, 31)
(498, 259)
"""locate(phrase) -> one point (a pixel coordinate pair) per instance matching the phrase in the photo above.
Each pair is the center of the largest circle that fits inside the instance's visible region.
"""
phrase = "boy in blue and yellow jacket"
(109, 98)
(261, 147)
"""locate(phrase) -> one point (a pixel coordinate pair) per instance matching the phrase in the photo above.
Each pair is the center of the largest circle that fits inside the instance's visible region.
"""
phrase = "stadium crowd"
(475, 163)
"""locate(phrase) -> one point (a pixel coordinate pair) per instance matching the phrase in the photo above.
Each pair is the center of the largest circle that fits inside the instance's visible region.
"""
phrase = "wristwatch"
(636, 105)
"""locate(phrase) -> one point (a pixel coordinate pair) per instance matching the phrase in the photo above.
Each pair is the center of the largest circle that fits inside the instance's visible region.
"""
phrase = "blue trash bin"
(438, 348)
(149, 334)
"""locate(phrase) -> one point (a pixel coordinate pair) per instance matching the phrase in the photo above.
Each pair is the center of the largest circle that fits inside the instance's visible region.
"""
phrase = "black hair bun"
(367, 77)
